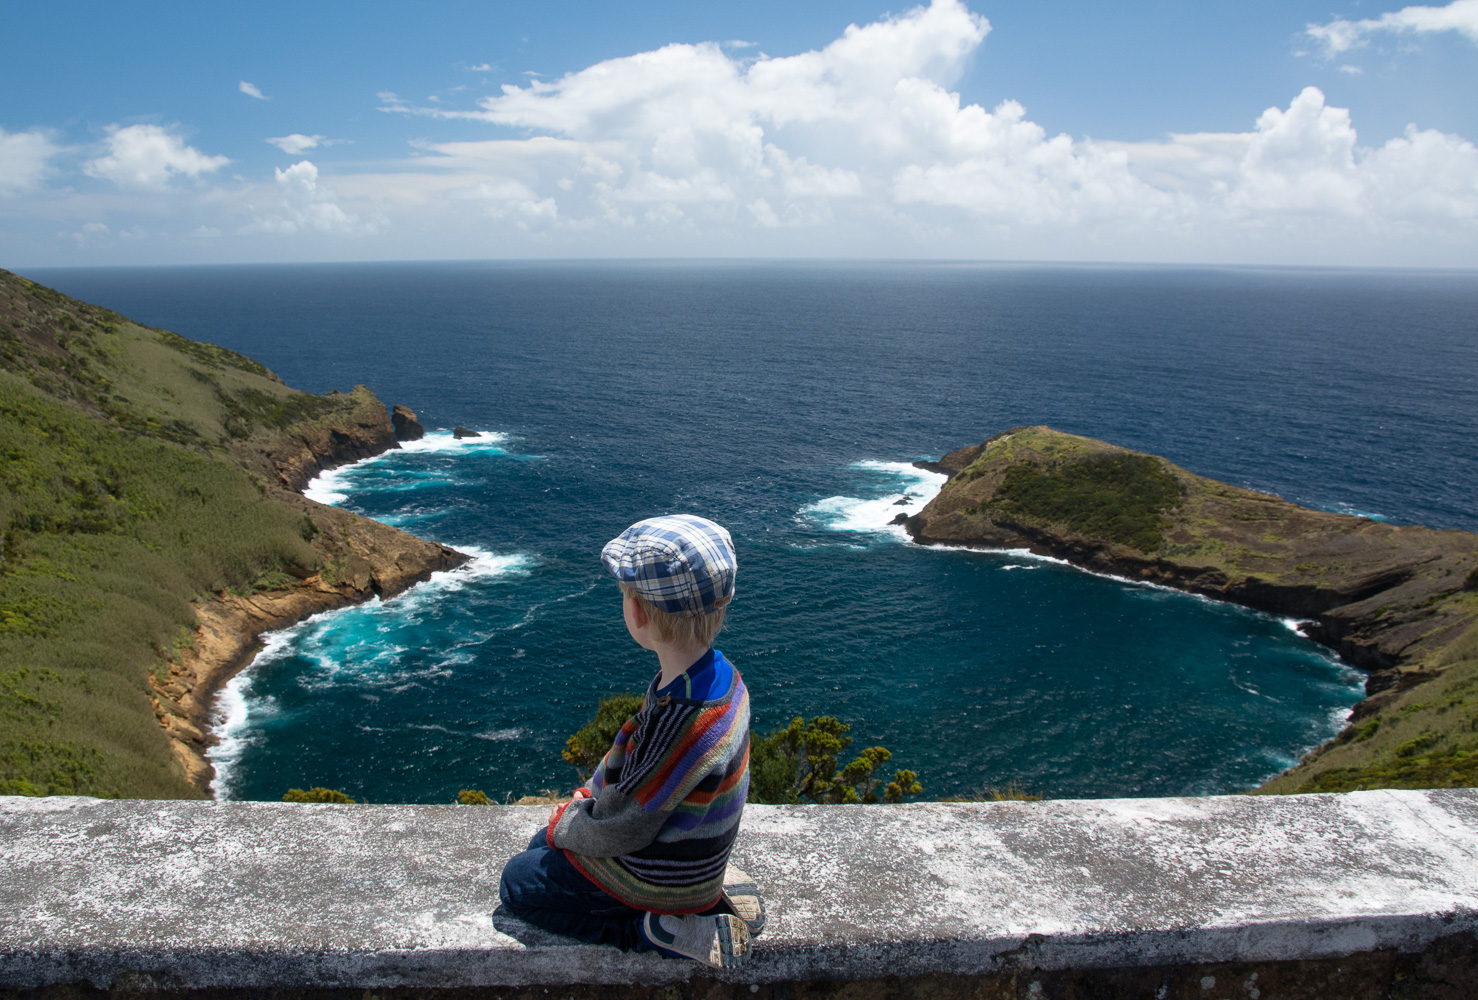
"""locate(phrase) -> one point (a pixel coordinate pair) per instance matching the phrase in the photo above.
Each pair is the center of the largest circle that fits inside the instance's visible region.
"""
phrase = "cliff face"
(364, 559)
(151, 527)
(1391, 599)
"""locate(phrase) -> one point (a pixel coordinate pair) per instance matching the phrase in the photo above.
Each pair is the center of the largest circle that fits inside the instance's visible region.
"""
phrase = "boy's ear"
(638, 613)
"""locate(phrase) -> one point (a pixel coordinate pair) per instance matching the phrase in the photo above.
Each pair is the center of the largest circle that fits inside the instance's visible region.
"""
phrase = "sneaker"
(721, 941)
(743, 897)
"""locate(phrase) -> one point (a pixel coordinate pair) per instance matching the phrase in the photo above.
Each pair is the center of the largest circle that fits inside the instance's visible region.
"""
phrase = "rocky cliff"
(1395, 600)
(151, 528)
(364, 559)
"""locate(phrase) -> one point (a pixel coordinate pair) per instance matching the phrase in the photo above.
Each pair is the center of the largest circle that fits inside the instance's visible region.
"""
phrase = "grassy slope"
(126, 491)
(1421, 734)
(1422, 737)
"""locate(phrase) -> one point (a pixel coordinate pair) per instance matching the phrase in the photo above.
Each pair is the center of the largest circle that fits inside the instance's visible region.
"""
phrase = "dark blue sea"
(787, 401)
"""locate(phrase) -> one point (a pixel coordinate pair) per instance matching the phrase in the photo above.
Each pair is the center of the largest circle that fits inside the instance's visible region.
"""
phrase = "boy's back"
(637, 858)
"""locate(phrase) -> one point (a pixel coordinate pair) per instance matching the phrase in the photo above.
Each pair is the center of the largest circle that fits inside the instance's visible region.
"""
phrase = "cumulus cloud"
(305, 206)
(24, 160)
(1304, 164)
(1341, 35)
(860, 147)
(149, 156)
(866, 133)
(251, 90)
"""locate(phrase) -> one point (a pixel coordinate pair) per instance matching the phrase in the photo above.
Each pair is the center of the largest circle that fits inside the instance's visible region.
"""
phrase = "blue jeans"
(540, 886)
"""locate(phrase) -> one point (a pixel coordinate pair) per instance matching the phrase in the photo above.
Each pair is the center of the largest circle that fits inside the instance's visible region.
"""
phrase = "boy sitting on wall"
(637, 857)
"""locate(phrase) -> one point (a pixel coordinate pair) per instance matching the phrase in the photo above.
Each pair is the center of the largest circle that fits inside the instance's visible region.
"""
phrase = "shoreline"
(1391, 601)
(383, 562)
(1363, 651)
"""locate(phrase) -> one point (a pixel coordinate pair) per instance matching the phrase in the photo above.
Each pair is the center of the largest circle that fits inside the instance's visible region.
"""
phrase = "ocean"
(788, 401)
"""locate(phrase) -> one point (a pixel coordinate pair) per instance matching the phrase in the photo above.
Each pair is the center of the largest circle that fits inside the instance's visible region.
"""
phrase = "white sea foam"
(484, 565)
(329, 487)
(444, 441)
(237, 713)
(502, 735)
(333, 486)
(235, 708)
(1344, 508)
(876, 515)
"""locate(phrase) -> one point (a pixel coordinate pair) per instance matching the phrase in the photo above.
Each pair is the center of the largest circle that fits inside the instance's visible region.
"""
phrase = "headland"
(1399, 601)
(151, 529)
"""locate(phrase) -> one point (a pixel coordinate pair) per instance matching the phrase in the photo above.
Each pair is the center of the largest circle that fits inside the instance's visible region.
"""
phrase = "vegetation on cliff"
(139, 475)
(1400, 601)
(1423, 735)
(1122, 498)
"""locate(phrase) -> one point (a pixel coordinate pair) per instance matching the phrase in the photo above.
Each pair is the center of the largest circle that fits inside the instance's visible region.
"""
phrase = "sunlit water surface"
(788, 402)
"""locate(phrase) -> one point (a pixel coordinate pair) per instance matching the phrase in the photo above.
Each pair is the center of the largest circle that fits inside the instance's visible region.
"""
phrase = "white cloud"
(857, 148)
(863, 138)
(23, 160)
(1341, 35)
(1304, 166)
(148, 156)
(297, 143)
(305, 206)
(251, 90)
(866, 135)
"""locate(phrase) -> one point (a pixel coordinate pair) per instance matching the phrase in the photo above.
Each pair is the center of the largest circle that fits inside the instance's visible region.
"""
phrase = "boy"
(637, 857)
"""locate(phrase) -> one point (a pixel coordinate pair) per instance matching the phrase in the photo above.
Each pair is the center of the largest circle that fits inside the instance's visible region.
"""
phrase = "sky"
(1172, 131)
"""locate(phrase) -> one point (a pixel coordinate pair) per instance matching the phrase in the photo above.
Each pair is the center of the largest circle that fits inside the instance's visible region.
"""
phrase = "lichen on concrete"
(202, 895)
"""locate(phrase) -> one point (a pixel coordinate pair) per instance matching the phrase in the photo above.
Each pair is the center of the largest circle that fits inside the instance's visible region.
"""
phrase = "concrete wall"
(932, 899)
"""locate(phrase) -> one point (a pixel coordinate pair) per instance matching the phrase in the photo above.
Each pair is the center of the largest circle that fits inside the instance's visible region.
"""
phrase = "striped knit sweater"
(666, 803)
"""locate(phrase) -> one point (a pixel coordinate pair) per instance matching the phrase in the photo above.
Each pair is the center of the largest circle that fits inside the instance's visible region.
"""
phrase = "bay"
(786, 400)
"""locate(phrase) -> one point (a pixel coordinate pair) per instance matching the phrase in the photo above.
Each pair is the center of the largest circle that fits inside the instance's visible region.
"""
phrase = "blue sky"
(1250, 132)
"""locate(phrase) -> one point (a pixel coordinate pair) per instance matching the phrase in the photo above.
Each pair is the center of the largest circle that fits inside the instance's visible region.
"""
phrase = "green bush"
(316, 794)
(1117, 497)
(800, 763)
(1457, 768)
(473, 797)
(588, 746)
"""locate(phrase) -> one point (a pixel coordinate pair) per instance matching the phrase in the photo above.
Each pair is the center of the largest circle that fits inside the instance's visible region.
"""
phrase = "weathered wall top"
(200, 895)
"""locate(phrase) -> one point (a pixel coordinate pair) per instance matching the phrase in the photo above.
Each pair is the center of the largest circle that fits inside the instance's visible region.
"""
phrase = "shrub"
(799, 763)
(1117, 497)
(588, 746)
(316, 794)
(473, 797)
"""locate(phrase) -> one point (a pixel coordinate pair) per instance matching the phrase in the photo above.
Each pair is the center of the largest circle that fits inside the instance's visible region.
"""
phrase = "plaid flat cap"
(681, 563)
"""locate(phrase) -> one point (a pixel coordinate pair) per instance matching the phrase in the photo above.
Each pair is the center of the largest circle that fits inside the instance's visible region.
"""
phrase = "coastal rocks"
(1387, 598)
(355, 428)
(377, 561)
(407, 427)
(363, 559)
(459, 432)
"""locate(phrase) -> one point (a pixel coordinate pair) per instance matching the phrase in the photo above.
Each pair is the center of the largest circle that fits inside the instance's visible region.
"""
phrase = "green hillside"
(133, 480)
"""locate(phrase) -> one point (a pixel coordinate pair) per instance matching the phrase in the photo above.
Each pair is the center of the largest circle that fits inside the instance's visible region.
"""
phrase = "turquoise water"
(974, 668)
(787, 402)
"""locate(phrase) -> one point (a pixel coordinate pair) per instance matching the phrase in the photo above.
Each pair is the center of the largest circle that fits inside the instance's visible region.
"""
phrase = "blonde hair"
(681, 630)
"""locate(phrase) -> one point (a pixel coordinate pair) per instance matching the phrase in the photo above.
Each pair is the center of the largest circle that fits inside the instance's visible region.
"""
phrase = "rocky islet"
(1399, 601)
